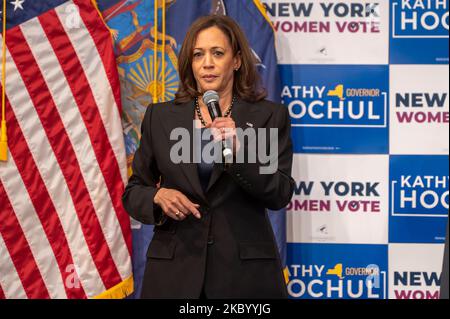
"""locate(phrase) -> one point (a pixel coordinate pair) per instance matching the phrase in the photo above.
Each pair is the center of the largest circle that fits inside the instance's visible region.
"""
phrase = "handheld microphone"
(211, 99)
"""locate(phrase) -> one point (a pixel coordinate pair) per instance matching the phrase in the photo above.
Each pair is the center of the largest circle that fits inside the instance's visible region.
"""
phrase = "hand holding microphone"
(225, 125)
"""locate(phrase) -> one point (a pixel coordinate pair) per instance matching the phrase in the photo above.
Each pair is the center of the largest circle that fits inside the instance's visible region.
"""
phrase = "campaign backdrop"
(366, 85)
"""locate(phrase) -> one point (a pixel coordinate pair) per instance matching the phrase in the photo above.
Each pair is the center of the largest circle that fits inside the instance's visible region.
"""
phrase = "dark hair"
(247, 82)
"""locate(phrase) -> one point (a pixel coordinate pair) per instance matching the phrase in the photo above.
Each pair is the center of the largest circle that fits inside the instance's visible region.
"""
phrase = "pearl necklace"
(199, 112)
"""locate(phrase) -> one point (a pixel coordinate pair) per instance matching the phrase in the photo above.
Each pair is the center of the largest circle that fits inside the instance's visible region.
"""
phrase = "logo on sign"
(420, 196)
(340, 17)
(354, 197)
(416, 285)
(336, 106)
(421, 107)
(337, 281)
(420, 19)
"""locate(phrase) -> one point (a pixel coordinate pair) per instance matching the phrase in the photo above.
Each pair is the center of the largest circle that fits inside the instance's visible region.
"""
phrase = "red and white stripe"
(10, 285)
(60, 191)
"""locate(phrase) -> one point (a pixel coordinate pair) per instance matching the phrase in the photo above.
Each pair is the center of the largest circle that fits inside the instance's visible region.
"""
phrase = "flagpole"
(3, 137)
(163, 51)
(155, 53)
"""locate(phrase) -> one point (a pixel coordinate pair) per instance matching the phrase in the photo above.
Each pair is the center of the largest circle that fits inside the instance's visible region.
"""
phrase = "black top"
(204, 168)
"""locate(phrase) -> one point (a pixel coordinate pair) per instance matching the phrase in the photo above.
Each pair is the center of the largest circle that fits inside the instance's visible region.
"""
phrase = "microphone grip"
(215, 111)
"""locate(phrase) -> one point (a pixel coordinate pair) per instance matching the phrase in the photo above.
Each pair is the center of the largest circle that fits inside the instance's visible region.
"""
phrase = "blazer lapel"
(245, 115)
(182, 116)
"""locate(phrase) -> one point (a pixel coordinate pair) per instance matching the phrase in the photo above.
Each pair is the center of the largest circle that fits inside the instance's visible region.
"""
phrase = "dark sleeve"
(275, 190)
(142, 185)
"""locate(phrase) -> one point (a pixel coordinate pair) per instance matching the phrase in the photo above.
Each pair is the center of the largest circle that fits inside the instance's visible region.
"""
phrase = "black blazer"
(231, 251)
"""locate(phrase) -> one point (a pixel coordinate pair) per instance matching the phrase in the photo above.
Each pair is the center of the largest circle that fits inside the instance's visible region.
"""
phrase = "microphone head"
(210, 96)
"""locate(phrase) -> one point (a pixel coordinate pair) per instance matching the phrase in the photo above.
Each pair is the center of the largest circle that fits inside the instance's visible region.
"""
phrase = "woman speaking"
(212, 237)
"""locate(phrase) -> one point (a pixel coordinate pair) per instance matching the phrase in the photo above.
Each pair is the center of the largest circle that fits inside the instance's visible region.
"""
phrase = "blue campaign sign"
(418, 198)
(337, 271)
(419, 32)
(337, 108)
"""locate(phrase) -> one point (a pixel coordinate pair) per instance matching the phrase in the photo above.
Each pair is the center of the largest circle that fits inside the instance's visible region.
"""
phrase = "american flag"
(63, 230)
